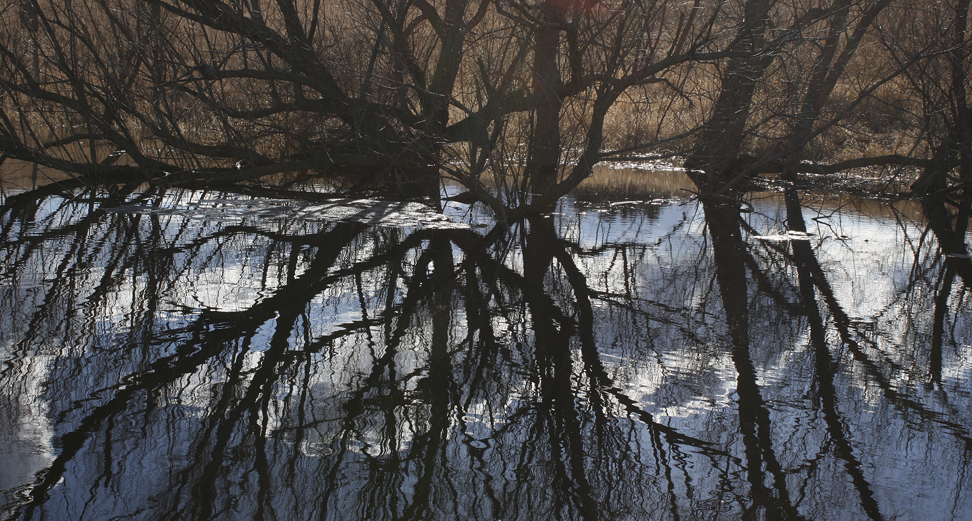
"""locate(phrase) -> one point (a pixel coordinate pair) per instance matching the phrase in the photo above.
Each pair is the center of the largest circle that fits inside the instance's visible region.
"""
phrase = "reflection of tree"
(383, 373)
(394, 416)
(754, 421)
(825, 395)
(880, 369)
(813, 280)
(951, 240)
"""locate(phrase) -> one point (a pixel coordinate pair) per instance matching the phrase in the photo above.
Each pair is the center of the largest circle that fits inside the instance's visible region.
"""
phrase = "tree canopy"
(517, 100)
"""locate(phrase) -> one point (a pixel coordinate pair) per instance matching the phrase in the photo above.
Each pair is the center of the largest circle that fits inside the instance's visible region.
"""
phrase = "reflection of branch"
(842, 323)
(602, 381)
(678, 322)
(208, 340)
(421, 286)
(594, 367)
(164, 371)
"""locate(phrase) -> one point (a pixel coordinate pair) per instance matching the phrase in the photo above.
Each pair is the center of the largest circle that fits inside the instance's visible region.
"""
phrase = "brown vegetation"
(515, 99)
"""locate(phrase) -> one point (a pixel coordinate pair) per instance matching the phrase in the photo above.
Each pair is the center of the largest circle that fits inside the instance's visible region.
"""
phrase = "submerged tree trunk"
(959, 58)
(818, 89)
(420, 174)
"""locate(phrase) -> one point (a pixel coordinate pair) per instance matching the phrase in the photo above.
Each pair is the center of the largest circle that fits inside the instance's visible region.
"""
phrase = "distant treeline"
(508, 97)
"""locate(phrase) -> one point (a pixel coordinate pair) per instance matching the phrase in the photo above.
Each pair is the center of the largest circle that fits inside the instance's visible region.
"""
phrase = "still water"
(203, 355)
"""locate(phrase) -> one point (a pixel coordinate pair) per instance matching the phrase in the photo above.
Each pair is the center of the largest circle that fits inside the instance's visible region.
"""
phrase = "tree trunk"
(956, 148)
(543, 158)
(827, 70)
(716, 157)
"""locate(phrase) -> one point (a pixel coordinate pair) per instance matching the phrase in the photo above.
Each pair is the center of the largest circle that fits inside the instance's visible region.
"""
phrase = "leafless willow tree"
(515, 99)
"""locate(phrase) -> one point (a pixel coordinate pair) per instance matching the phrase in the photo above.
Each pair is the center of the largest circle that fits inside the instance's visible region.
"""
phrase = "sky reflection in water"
(204, 356)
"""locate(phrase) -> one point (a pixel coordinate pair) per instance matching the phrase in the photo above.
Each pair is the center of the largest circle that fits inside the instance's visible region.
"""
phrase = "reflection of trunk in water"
(601, 386)
(754, 422)
(824, 374)
(572, 441)
(439, 387)
(843, 325)
(381, 389)
(951, 241)
(247, 412)
(396, 438)
(812, 278)
(553, 331)
(938, 322)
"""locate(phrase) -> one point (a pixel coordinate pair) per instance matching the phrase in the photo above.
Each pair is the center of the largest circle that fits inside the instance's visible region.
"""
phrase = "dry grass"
(614, 183)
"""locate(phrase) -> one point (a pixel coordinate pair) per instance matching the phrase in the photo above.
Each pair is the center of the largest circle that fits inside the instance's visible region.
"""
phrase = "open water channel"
(215, 356)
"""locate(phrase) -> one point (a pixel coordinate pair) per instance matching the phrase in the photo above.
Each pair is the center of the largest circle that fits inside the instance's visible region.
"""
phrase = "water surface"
(203, 355)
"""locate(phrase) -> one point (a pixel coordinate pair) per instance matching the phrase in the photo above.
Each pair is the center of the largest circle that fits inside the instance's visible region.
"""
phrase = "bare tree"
(941, 83)
(517, 100)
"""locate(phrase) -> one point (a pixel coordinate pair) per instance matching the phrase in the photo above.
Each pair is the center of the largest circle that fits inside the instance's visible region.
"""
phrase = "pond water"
(202, 355)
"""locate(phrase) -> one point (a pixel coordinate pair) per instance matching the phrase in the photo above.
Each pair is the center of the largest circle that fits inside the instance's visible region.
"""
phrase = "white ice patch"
(785, 237)
(376, 212)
